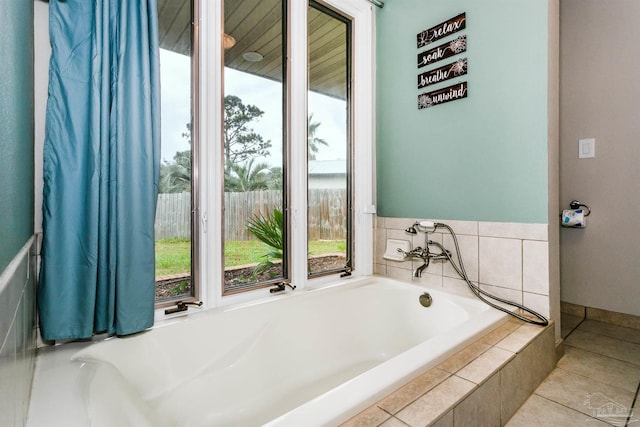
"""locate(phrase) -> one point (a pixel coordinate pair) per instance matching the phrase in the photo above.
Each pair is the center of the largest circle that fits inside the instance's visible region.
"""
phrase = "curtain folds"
(101, 169)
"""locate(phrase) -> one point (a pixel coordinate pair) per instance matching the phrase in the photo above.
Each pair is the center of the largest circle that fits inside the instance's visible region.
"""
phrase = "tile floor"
(595, 383)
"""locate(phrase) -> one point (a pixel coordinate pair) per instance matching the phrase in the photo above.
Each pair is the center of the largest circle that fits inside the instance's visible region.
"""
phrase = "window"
(329, 141)
(254, 144)
(261, 108)
(173, 227)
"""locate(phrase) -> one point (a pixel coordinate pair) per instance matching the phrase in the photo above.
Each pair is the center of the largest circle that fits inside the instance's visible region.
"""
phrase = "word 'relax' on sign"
(443, 51)
(439, 31)
(441, 74)
(442, 96)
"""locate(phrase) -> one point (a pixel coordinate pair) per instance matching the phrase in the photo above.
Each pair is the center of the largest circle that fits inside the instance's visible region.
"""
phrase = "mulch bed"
(180, 284)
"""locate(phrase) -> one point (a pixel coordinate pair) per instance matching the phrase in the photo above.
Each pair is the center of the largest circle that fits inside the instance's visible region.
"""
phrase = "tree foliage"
(312, 139)
(246, 177)
(269, 229)
(240, 141)
(241, 147)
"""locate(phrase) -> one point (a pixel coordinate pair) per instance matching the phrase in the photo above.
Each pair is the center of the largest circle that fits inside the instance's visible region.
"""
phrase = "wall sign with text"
(442, 96)
(443, 73)
(444, 51)
(444, 29)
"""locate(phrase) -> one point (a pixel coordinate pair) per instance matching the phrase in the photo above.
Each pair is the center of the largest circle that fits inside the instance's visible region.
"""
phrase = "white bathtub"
(307, 358)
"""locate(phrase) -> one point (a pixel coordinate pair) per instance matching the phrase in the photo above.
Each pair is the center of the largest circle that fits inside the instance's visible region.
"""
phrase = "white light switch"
(586, 148)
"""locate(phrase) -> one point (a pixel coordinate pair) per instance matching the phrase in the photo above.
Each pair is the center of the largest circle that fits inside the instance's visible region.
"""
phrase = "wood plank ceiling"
(256, 25)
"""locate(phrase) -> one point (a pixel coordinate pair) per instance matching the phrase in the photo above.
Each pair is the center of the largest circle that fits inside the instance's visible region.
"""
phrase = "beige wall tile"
(459, 227)
(398, 223)
(429, 280)
(469, 252)
(445, 421)
(482, 407)
(457, 286)
(535, 267)
(540, 355)
(524, 373)
(520, 337)
(372, 416)
(429, 407)
(380, 269)
(413, 390)
(574, 309)
(398, 273)
(513, 230)
(459, 360)
(379, 246)
(485, 365)
(393, 422)
(501, 331)
(516, 385)
(620, 319)
(513, 295)
(537, 303)
(500, 262)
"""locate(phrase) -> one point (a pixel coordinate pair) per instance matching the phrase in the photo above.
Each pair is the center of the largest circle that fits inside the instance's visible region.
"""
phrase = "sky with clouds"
(175, 78)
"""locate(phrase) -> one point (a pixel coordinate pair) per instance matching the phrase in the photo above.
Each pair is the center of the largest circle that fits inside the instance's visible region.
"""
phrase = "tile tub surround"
(510, 260)
(17, 336)
(483, 384)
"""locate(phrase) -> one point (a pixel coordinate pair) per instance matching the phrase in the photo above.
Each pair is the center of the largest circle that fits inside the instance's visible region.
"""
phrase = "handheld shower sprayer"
(425, 226)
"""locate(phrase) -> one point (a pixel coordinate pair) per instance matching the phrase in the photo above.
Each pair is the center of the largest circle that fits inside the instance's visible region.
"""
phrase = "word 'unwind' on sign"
(451, 26)
(442, 96)
(441, 74)
(443, 51)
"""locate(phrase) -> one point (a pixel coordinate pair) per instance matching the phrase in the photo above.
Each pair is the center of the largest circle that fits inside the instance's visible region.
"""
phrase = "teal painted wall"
(16, 127)
(481, 158)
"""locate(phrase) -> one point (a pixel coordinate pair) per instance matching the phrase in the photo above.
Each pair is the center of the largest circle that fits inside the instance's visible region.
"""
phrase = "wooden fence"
(327, 213)
(173, 216)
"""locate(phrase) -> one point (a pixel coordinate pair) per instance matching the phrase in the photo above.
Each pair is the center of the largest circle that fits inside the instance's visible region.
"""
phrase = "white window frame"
(209, 29)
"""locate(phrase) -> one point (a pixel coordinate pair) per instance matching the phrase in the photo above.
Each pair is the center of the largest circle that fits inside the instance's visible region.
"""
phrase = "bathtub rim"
(340, 403)
(345, 400)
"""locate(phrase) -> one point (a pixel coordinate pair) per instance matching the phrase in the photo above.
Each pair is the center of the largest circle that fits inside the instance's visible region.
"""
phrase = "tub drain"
(425, 299)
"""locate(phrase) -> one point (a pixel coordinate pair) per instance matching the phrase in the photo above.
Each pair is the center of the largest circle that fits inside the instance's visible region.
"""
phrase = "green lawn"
(173, 256)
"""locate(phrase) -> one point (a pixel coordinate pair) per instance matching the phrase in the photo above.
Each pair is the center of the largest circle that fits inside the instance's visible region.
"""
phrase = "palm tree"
(246, 177)
(312, 139)
(175, 176)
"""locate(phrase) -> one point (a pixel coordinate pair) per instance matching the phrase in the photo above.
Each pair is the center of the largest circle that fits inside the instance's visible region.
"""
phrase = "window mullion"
(297, 122)
(211, 176)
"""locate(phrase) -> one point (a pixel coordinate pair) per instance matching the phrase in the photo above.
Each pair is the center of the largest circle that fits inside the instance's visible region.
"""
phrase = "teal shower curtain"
(101, 169)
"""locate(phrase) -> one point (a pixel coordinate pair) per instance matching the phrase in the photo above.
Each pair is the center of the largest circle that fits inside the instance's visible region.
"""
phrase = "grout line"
(633, 404)
(590, 418)
(574, 328)
(605, 335)
(601, 355)
(590, 379)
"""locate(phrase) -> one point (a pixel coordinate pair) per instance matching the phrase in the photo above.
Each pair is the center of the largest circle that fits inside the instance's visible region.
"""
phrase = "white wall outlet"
(586, 148)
